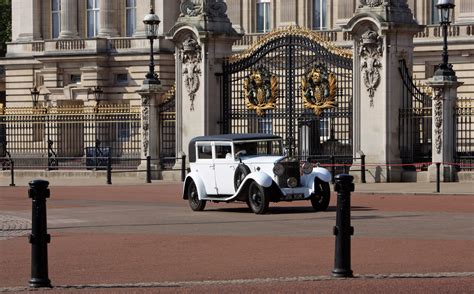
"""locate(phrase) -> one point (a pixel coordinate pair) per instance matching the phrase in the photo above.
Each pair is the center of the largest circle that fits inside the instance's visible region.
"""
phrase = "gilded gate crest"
(261, 89)
(319, 89)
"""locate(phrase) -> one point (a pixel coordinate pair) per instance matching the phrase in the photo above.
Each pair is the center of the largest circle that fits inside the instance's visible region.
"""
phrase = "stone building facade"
(68, 46)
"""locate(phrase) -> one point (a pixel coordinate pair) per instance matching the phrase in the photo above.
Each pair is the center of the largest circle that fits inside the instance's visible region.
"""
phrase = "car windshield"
(264, 147)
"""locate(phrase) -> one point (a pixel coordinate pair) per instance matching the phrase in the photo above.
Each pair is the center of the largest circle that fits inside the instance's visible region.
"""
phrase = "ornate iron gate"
(294, 84)
(415, 120)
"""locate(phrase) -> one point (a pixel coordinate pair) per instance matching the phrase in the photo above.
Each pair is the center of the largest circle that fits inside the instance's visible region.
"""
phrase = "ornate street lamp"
(152, 22)
(97, 92)
(35, 93)
(445, 10)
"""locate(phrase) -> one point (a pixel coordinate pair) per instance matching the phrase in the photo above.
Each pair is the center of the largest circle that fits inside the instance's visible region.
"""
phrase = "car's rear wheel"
(321, 196)
(193, 198)
(258, 199)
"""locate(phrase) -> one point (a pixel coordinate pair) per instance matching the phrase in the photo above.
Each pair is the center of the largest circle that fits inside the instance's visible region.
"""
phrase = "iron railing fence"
(71, 137)
(464, 133)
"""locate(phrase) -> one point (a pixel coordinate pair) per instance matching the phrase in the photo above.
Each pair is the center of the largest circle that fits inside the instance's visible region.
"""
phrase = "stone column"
(68, 19)
(149, 131)
(443, 128)
(383, 34)
(203, 36)
(108, 18)
(143, 8)
(26, 20)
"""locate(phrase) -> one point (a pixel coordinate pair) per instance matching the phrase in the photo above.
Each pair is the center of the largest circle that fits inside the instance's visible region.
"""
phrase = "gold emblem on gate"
(261, 89)
(319, 89)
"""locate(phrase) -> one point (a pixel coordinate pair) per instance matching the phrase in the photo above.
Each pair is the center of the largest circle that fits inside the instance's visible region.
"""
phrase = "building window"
(93, 18)
(130, 17)
(75, 79)
(434, 12)
(121, 79)
(263, 16)
(320, 15)
(55, 18)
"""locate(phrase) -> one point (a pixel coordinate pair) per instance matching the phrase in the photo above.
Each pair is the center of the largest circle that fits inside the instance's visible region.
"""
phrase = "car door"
(205, 166)
(224, 167)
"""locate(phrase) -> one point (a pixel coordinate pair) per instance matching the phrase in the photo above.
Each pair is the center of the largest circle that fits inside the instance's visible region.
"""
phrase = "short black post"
(148, 169)
(343, 229)
(183, 167)
(438, 177)
(109, 170)
(12, 173)
(333, 168)
(362, 168)
(39, 237)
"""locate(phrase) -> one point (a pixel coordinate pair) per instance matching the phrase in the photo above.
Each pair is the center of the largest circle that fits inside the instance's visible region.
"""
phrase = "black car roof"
(226, 137)
(235, 137)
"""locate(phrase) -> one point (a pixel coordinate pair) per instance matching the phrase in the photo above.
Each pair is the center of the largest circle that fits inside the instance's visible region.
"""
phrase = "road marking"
(255, 281)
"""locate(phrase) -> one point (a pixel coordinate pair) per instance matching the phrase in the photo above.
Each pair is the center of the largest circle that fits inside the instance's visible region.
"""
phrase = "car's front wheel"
(321, 196)
(193, 198)
(258, 199)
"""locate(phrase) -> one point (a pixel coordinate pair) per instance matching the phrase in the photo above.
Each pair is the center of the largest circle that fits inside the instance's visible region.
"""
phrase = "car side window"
(204, 151)
(223, 151)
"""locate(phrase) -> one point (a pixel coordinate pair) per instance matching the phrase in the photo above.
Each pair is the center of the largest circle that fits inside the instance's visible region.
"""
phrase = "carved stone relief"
(145, 124)
(215, 8)
(371, 3)
(370, 52)
(191, 59)
(438, 118)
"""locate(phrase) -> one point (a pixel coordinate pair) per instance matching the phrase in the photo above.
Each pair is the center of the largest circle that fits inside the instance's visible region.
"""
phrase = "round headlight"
(292, 182)
(307, 167)
(278, 169)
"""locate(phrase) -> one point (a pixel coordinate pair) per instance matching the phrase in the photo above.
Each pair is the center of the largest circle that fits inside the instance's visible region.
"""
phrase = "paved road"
(144, 237)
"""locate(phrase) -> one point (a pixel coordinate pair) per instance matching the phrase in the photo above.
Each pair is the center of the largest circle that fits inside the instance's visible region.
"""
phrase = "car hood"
(260, 159)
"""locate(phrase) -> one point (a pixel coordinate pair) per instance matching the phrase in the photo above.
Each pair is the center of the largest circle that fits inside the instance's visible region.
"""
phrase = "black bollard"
(109, 170)
(148, 169)
(438, 177)
(343, 229)
(12, 173)
(183, 167)
(39, 237)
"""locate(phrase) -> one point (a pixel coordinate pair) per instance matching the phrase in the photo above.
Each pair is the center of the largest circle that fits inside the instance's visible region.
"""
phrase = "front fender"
(193, 176)
(318, 172)
(261, 178)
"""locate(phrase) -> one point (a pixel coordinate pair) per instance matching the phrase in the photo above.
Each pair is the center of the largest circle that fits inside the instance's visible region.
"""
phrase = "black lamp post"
(152, 22)
(445, 10)
(35, 93)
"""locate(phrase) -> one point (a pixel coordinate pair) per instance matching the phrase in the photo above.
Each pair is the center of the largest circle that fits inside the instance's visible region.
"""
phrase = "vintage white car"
(251, 168)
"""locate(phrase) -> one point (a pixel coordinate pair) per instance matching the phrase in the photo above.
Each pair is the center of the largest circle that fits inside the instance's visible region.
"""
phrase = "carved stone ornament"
(371, 3)
(261, 89)
(318, 89)
(191, 60)
(438, 118)
(216, 8)
(370, 52)
(145, 124)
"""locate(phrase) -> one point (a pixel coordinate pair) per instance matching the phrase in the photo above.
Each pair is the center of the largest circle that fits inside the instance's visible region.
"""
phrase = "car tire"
(258, 199)
(193, 198)
(321, 196)
(240, 173)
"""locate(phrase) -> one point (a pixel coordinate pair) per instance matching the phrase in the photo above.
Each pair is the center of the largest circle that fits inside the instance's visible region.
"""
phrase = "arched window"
(320, 15)
(93, 18)
(55, 18)
(130, 8)
(263, 16)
